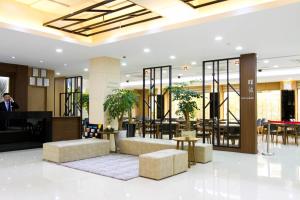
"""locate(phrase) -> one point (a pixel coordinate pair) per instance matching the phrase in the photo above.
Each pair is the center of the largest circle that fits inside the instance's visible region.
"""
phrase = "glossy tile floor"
(230, 176)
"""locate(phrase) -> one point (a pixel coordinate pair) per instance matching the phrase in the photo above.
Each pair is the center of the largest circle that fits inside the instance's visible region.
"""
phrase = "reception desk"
(26, 130)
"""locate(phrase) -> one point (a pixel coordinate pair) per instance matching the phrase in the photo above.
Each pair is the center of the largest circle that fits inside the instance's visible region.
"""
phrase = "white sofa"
(71, 150)
(138, 146)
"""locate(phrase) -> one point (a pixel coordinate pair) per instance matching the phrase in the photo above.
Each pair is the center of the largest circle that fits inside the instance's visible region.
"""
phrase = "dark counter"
(24, 130)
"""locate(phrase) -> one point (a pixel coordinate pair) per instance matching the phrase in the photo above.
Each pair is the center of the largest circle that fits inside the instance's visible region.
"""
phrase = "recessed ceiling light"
(59, 50)
(266, 61)
(147, 50)
(127, 75)
(193, 63)
(57, 73)
(172, 57)
(86, 69)
(275, 66)
(65, 65)
(123, 63)
(218, 38)
(41, 61)
(13, 57)
(239, 48)
(209, 67)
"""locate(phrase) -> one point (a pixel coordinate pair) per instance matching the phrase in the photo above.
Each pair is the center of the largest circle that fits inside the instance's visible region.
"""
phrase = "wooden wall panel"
(50, 91)
(41, 98)
(268, 86)
(66, 128)
(248, 110)
(36, 98)
(59, 87)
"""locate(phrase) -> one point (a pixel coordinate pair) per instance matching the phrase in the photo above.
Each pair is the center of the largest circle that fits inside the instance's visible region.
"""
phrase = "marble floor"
(24, 176)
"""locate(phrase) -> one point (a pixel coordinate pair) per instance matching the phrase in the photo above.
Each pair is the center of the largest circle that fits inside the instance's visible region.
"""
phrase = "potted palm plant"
(186, 102)
(120, 103)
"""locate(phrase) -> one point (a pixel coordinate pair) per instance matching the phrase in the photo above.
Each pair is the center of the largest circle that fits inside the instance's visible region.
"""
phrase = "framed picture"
(43, 73)
(35, 72)
(39, 81)
(46, 82)
(32, 81)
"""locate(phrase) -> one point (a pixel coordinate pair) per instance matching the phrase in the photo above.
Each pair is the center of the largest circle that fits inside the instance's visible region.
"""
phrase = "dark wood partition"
(248, 69)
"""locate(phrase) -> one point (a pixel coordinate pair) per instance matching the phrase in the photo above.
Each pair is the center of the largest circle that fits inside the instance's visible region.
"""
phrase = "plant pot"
(130, 127)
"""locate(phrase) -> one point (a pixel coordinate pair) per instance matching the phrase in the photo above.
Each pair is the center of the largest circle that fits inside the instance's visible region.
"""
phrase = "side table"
(191, 147)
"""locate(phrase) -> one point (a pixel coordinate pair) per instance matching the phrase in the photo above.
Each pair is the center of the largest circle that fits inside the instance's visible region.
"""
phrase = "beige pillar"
(104, 77)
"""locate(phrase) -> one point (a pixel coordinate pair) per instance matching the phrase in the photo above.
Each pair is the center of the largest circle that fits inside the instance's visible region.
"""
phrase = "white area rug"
(118, 166)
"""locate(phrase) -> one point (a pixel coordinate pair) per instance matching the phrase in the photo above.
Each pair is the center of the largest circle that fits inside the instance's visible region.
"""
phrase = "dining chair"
(207, 133)
(292, 131)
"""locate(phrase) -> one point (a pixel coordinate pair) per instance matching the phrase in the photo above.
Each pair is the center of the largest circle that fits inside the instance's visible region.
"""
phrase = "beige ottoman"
(203, 152)
(180, 160)
(156, 165)
(71, 150)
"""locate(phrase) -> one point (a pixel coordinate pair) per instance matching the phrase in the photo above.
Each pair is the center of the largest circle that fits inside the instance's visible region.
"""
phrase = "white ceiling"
(273, 34)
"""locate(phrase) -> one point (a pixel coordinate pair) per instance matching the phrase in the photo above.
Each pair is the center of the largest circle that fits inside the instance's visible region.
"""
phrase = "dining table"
(285, 125)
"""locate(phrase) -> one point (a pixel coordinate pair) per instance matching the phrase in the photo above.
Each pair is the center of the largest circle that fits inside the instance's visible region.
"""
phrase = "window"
(269, 105)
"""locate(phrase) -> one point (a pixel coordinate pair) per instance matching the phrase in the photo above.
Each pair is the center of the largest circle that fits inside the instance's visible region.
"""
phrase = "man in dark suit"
(8, 105)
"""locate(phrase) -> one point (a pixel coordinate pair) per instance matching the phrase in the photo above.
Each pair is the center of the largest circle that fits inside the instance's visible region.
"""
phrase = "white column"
(104, 77)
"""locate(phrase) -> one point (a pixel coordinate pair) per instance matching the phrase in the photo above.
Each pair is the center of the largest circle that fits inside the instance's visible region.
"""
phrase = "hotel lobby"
(145, 99)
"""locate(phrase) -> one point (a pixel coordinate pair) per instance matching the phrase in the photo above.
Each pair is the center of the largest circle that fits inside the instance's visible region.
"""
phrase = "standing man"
(8, 105)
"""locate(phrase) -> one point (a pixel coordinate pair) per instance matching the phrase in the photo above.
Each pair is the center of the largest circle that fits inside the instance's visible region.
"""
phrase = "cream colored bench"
(71, 150)
(138, 146)
(161, 164)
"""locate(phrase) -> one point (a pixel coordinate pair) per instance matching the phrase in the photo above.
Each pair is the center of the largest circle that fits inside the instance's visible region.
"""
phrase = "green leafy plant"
(85, 101)
(119, 103)
(186, 102)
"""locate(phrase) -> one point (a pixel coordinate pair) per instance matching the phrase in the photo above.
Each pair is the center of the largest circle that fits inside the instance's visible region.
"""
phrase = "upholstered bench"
(138, 146)
(161, 164)
(71, 150)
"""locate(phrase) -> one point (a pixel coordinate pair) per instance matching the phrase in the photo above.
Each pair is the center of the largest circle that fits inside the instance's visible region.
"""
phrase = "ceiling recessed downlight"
(124, 64)
(172, 57)
(57, 73)
(59, 50)
(239, 48)
(209, 67)
(13, 57)
(86, 69)
(127, 75)
(41, 61)
(193, 63)
(275, 66)
(65, 65)
(266, 61)
(147, 50)
(218, 38)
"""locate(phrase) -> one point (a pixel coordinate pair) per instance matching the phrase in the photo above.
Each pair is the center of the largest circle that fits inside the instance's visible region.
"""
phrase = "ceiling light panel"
(103, 17)
(48, 6)
(202, 3)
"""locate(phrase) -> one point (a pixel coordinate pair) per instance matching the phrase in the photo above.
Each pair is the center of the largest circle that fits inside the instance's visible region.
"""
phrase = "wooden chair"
(293, 132)
(275, 131)
(207, 134)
